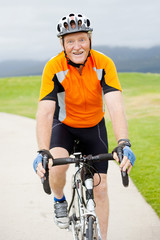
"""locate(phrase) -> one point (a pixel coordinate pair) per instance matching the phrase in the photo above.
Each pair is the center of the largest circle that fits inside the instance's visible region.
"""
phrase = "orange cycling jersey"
(79, 97)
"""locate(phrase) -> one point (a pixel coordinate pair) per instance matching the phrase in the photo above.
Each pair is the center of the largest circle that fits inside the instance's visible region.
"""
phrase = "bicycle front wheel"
(90, 228)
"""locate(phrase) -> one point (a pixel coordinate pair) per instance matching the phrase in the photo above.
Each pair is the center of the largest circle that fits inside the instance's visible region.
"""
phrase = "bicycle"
(83, 220)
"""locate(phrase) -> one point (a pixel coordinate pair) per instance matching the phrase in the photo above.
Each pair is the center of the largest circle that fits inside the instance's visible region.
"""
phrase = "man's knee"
(101, 190)
(59, 152)
(58, 171)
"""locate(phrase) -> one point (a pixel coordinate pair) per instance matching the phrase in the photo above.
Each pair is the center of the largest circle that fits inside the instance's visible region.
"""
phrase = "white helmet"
(73, 23)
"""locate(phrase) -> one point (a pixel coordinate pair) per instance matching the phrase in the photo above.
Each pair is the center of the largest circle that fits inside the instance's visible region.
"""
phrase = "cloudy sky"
(28, 27)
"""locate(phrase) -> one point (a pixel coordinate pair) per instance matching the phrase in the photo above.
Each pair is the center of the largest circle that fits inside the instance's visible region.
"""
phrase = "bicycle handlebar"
(103, 157)
(97, 158)
(82, 159)
(124, 174)
(45, 179)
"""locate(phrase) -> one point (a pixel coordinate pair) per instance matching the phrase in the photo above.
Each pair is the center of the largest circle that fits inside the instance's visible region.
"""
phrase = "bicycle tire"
(90, 228)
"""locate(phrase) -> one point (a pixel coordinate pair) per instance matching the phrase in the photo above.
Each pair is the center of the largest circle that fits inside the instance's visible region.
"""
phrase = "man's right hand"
(37, 164)
(42, 165)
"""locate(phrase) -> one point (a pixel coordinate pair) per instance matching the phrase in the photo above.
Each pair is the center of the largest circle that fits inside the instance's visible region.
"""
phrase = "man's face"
(77, 46)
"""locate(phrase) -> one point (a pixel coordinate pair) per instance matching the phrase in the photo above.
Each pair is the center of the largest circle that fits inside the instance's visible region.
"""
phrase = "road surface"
(26, 212)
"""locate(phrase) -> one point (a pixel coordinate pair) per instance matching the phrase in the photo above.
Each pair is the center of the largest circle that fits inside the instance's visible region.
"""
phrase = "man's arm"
(114, 103)
(116, 110)
(44, 122)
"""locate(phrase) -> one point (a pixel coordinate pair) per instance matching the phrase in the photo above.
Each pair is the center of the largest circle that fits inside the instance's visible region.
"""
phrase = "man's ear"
(61, 42)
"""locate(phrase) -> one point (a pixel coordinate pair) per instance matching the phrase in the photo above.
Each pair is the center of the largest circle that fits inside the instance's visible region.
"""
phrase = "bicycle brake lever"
(124, 174)
(44, 164)
(45, 179)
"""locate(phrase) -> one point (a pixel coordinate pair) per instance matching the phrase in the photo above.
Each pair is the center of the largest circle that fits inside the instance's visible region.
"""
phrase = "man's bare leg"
(102, 203)
(57, 174)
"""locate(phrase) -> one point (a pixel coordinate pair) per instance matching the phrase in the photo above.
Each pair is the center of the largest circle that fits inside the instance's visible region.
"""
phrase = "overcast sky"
(28, 28)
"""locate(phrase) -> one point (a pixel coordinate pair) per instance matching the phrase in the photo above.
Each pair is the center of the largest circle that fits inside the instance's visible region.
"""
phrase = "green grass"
(19, 95)
(146, 135)
(139, 83)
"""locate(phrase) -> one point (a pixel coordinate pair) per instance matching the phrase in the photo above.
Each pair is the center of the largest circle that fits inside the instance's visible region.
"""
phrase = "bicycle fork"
(91, 206)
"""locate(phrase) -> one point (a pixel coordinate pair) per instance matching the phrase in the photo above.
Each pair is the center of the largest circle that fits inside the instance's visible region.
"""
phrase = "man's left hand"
(128, 158)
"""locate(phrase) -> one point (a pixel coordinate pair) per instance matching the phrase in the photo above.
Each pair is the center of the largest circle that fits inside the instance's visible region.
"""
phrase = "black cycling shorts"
(92, 140)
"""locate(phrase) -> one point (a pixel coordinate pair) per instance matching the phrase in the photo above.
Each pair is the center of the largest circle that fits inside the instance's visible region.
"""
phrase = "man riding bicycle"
(75, 86)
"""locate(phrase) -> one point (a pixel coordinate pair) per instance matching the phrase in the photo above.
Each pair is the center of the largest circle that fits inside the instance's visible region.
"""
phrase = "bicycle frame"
(79, 226)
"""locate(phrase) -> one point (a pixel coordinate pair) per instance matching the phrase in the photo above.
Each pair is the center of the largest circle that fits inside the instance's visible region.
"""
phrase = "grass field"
(19, 95)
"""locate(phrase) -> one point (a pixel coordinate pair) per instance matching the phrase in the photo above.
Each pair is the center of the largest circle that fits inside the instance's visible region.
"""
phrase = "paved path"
(26, 212)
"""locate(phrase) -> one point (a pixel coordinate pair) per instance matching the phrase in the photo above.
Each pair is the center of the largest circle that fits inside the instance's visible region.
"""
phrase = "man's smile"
(77, 53)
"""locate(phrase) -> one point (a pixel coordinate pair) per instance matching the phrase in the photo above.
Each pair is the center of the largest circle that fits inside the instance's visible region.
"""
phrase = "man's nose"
(77, 45)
